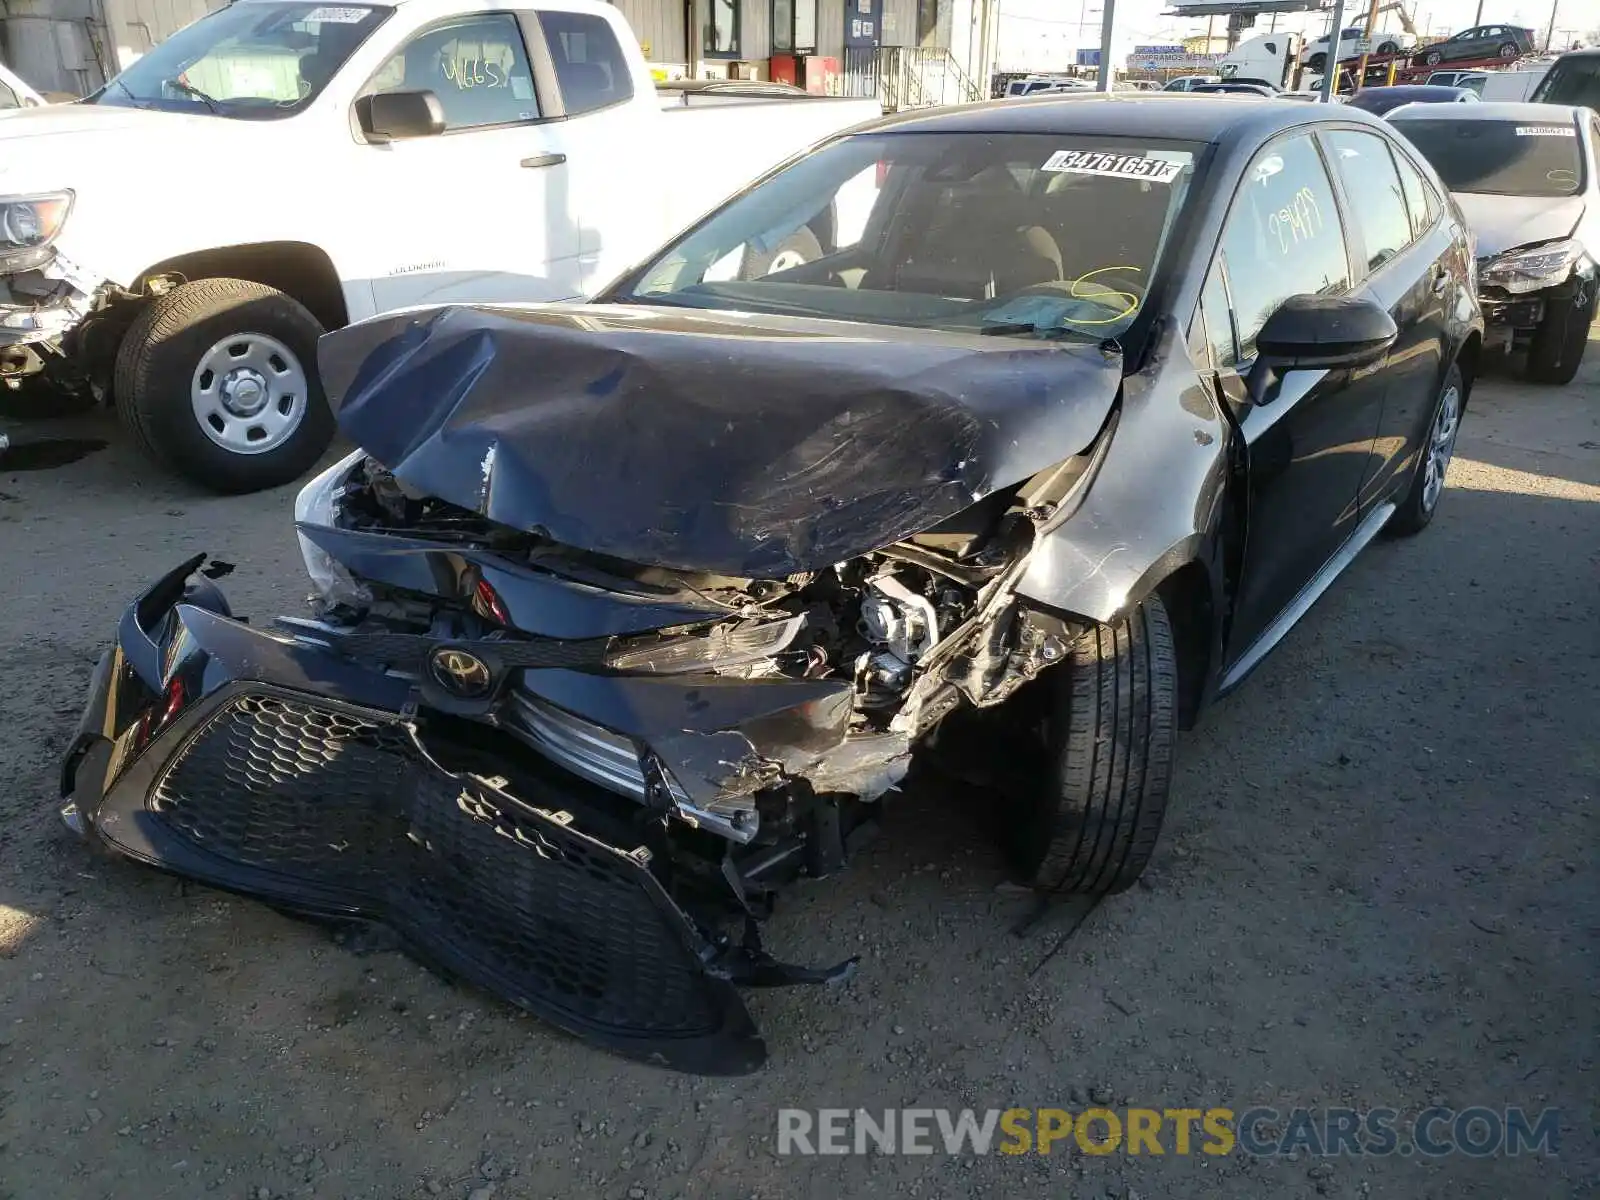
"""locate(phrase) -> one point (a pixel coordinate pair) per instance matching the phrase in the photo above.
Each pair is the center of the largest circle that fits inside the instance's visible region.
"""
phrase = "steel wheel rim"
(249, 393)
(1441, 445)
(786, 260)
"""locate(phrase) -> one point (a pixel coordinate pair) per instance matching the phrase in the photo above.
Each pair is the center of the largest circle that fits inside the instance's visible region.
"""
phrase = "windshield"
(1574, 81)
(252, 60)
(1501, 158)
(1020, 234)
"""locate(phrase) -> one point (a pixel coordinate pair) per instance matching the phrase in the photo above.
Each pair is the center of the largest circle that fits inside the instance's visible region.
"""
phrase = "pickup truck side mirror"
(1320, 333)
(390, 116)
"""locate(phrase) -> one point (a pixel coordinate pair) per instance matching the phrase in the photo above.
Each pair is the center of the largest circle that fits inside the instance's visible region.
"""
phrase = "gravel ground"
(1377, 887)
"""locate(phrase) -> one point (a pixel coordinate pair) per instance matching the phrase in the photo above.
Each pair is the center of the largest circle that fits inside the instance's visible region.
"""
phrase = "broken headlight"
(731, 644)
(28, 224)
(318, 504)
(1532, 268)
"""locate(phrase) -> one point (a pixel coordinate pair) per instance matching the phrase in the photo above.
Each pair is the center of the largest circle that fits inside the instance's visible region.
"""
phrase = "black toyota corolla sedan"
(1004, 438)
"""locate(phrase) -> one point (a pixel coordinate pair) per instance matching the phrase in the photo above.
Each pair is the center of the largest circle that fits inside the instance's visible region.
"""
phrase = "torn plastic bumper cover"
(45, 302)
(261, 764)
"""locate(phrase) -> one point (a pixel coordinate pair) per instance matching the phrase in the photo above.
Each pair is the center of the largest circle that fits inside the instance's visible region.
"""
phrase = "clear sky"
(1041, 34)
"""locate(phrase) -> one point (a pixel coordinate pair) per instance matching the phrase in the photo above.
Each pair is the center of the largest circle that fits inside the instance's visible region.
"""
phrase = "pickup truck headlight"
(28, 224)
(1532, 268)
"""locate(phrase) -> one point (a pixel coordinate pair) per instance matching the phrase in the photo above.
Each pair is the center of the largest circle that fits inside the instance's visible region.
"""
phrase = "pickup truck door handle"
(1441, 281)
(545, 160)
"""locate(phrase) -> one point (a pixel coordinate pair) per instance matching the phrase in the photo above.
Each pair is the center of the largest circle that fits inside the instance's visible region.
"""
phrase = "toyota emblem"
(460, 673)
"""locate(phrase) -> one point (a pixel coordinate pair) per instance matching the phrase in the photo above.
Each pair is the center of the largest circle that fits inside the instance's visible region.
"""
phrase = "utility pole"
(1330, 61)
(1107, 20)
(1550, 30)
(1478, 19)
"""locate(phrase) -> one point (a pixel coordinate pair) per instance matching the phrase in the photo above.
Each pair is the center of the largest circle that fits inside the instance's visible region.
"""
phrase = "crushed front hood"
(1503, 223)
(755, 446)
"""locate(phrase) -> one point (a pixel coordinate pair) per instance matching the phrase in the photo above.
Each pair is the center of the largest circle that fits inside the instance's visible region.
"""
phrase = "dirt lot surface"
(1377, 887)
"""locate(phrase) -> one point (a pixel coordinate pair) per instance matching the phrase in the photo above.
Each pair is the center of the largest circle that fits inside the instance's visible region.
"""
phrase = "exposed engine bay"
(906, 634)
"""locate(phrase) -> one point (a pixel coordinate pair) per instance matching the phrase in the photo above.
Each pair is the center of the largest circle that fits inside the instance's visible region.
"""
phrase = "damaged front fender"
(1155, 503)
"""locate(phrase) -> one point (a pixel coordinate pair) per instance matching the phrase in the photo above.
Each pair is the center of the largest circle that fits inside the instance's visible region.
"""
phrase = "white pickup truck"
(177, 241)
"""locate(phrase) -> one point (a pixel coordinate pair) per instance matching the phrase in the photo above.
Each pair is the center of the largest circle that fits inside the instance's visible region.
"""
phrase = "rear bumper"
(260, 764)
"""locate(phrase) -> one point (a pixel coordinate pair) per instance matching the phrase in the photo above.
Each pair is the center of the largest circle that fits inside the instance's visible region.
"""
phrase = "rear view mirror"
(390, 116)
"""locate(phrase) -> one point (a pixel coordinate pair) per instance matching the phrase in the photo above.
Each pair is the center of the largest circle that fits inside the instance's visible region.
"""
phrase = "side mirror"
(390, 116)
(1327, 333)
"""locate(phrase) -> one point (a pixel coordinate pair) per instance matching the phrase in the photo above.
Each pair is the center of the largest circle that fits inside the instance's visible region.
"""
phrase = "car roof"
(1533, 114)
(1420, 90)
(1185, 116)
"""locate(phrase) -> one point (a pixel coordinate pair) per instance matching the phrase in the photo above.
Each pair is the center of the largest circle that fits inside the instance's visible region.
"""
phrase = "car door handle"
(1441, 281)
(545, 160)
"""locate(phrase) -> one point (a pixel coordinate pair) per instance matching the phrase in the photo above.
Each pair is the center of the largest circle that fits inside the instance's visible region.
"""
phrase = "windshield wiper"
(1013, 328)
(188, 90)
(138, 102)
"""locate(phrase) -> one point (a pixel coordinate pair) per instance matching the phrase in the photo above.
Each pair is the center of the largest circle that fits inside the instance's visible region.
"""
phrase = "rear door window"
(1377, 201)
(590, 66)
(1422, 207)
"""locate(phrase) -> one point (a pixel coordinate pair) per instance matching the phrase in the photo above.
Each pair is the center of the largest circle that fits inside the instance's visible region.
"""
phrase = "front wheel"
(1508, 50)
(1561, 338)
(1433, 58)
(217, 381)
(1389, 48)
(1091, 819)
(799, 248)
(1317, 61)
(1433, 459)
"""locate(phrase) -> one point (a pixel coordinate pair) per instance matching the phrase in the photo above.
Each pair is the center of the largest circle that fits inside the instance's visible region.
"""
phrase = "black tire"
(34, 399)
(801, 244)
(1389, 48)
(1558, 343)
(156, 368)
(1432, 58)
(1508, 50)
(1091, 824)
(1416, 510)
(1317, 61)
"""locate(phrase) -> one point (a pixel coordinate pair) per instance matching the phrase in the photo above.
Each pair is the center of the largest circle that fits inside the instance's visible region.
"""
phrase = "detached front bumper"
(43, 304)
(255, 762)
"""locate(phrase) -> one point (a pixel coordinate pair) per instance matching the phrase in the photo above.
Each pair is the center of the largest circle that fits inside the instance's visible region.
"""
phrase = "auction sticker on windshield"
(1546, 131)
(337, 16)
(1118, 166)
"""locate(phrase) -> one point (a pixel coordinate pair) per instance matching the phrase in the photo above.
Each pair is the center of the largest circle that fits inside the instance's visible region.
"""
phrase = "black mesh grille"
(573, 926)
(491, 888)
(279, 784)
